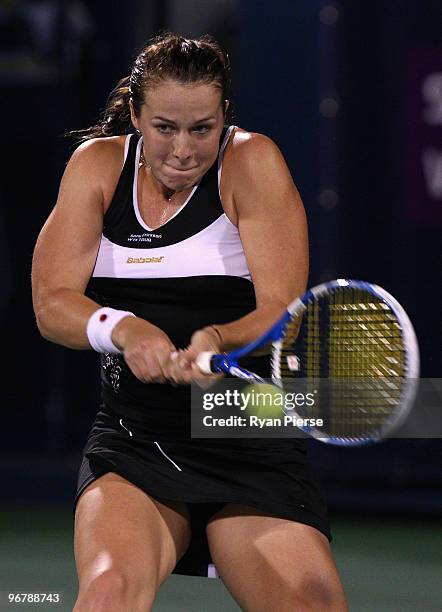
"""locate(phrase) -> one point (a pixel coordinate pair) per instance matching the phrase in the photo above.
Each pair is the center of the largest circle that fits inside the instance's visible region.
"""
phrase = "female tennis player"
(175, 234)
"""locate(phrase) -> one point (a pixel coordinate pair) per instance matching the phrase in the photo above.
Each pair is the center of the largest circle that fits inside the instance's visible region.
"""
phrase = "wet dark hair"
(167, 56)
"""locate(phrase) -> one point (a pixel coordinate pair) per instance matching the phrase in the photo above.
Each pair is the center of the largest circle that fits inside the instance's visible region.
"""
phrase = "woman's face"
(181, 127)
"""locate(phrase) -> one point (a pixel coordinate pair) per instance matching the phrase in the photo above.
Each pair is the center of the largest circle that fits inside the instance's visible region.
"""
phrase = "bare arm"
(273, 230)
(66, 249)
(65, 256)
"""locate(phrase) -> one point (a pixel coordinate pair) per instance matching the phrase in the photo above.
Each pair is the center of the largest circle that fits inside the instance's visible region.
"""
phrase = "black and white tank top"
(189, 273)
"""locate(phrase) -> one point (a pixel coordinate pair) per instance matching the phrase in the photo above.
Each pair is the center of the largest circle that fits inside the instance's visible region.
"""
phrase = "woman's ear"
(133, 117)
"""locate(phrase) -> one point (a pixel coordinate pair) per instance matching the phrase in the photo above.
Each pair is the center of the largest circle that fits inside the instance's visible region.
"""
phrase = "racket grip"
(204, 362)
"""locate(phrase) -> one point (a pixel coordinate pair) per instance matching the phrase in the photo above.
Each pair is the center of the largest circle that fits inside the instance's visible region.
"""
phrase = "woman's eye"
(165, 129)
(168, 129)
(201, 129)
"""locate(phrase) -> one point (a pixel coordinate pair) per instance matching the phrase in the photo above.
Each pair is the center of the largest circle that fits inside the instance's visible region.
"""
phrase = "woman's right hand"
(147, 349)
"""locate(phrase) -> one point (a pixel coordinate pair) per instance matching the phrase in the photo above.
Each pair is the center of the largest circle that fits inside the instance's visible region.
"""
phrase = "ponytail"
(115, 119)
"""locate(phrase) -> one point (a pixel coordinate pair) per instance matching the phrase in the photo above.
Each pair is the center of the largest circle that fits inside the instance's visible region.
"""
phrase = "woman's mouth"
(181, 171)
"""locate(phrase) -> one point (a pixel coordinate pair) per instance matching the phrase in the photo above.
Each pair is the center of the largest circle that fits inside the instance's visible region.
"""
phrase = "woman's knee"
(113, 590)
(319, 593)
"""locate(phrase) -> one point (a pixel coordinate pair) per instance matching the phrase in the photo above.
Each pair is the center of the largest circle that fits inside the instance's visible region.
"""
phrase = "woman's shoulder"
(244, 145)
(250, 150)
(101, 149)
(101, 159)
(99, 156)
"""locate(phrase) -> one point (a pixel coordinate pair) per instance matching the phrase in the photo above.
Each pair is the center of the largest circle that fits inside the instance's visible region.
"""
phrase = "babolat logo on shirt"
(142, 260)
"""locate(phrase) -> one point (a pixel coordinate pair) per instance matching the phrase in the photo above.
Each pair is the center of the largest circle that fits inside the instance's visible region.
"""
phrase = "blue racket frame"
(228, 362)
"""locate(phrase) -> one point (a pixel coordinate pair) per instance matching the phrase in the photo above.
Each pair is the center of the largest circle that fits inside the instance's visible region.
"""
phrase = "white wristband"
(100, 326)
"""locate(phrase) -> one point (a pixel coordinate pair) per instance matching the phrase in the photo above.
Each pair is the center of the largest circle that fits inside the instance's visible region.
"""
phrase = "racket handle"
(204, 362)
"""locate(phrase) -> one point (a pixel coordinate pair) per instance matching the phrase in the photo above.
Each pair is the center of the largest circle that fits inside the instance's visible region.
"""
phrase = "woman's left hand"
(183, 370)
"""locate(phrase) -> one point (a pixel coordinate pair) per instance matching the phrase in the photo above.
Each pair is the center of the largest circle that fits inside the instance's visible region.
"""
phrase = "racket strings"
(365, 347)
(353, 340)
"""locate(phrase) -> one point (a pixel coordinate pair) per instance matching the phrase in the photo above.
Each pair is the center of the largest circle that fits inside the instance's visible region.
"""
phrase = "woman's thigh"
(126, 544)
(268, 563)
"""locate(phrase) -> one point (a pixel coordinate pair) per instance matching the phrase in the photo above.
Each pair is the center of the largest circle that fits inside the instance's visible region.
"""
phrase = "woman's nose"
(182, 148)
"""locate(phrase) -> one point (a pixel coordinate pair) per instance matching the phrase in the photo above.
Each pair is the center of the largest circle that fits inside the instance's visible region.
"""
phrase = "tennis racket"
(351, 342)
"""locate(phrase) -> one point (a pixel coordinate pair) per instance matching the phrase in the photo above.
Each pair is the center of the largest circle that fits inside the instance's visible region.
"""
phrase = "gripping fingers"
(149, 362)
(179, 370)
(146, 370)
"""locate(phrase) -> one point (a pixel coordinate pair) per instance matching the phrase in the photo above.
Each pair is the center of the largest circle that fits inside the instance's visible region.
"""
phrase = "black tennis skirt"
(271, 475)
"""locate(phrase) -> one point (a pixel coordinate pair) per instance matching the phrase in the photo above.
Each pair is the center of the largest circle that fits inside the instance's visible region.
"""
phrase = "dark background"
(352, 93)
